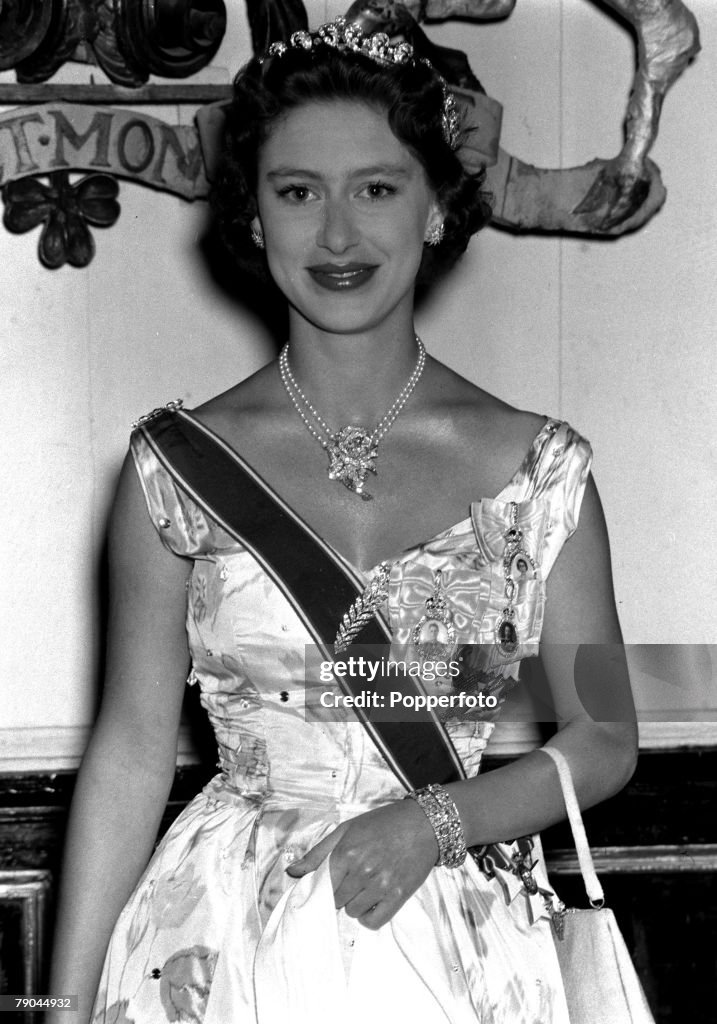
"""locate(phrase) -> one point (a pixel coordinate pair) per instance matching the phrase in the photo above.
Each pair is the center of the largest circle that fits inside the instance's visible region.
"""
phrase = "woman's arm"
(582, 653)
(381, 857)
(128, 768)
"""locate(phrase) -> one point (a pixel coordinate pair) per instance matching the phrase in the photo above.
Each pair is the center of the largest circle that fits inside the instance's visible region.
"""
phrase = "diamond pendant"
(352, 453)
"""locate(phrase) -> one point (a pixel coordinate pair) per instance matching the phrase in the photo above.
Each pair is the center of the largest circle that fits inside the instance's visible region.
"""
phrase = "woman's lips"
(338, 277)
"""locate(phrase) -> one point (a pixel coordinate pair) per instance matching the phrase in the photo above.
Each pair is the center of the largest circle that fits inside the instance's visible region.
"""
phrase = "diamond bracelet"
(442, 813)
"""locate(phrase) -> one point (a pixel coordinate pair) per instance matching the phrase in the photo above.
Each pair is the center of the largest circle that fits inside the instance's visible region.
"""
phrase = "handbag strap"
(593, 888)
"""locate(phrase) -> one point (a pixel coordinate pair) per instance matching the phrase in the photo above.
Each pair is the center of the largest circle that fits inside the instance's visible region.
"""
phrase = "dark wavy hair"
(411, 94)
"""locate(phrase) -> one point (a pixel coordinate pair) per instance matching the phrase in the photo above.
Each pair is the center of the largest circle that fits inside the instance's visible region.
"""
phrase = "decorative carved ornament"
(65, 210)
(128, 39)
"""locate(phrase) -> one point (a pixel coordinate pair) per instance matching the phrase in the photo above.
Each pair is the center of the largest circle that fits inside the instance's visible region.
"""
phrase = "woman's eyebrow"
(395, 170)
(293, 172)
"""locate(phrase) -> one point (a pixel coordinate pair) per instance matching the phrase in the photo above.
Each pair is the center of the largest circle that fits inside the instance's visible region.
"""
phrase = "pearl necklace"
(352, 451)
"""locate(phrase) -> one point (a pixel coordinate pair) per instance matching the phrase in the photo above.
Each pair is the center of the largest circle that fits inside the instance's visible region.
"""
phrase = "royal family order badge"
(434, 635)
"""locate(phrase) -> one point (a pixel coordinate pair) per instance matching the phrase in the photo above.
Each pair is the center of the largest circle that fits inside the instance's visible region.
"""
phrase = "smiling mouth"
(342, 277)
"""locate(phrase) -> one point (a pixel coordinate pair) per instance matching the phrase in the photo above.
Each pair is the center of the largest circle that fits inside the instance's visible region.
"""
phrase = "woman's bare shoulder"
(476, 412)
(252, 393)
(252, 417)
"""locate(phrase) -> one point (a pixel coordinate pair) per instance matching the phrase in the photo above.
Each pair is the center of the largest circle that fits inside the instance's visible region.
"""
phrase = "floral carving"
(65, 210)
(128, 39)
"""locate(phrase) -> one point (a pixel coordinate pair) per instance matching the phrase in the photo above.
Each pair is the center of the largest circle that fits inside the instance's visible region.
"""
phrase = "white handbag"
(600, 981)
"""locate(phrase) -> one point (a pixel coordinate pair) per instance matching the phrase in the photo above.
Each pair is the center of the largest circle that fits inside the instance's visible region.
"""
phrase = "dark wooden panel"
(23, 920)
(671, 799)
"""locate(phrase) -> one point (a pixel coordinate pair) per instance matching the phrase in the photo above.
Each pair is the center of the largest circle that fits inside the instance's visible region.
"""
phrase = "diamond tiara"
(342, 35)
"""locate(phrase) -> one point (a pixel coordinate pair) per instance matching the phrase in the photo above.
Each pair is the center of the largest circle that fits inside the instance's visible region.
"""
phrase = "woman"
(300, 884)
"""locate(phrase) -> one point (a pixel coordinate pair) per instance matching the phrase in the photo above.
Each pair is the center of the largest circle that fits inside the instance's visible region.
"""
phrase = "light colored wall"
(617, 337)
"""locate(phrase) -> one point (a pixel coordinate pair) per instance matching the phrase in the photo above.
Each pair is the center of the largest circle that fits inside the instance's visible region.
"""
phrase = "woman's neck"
(353, 378)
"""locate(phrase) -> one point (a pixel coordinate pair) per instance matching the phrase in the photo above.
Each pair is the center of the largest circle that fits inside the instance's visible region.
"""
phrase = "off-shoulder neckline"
(548, 428)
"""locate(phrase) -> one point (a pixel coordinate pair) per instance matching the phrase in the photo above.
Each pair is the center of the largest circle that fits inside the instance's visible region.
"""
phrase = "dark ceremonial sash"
(307, 571)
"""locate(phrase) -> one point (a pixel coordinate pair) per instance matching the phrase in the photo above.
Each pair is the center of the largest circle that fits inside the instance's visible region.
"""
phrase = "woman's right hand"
(377, 860)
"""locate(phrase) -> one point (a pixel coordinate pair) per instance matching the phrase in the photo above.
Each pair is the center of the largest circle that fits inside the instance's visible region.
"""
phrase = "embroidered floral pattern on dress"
(114, 1014)
(185, 983)
(176, 893)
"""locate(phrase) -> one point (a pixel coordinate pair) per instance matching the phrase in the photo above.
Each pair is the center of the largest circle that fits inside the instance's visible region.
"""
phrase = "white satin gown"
(216, 931)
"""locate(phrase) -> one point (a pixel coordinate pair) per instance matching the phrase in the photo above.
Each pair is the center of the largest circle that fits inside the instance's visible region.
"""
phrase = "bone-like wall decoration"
(605, 196)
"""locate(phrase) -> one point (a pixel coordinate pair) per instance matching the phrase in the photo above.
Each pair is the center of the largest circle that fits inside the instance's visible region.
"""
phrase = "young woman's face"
(344, 208)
